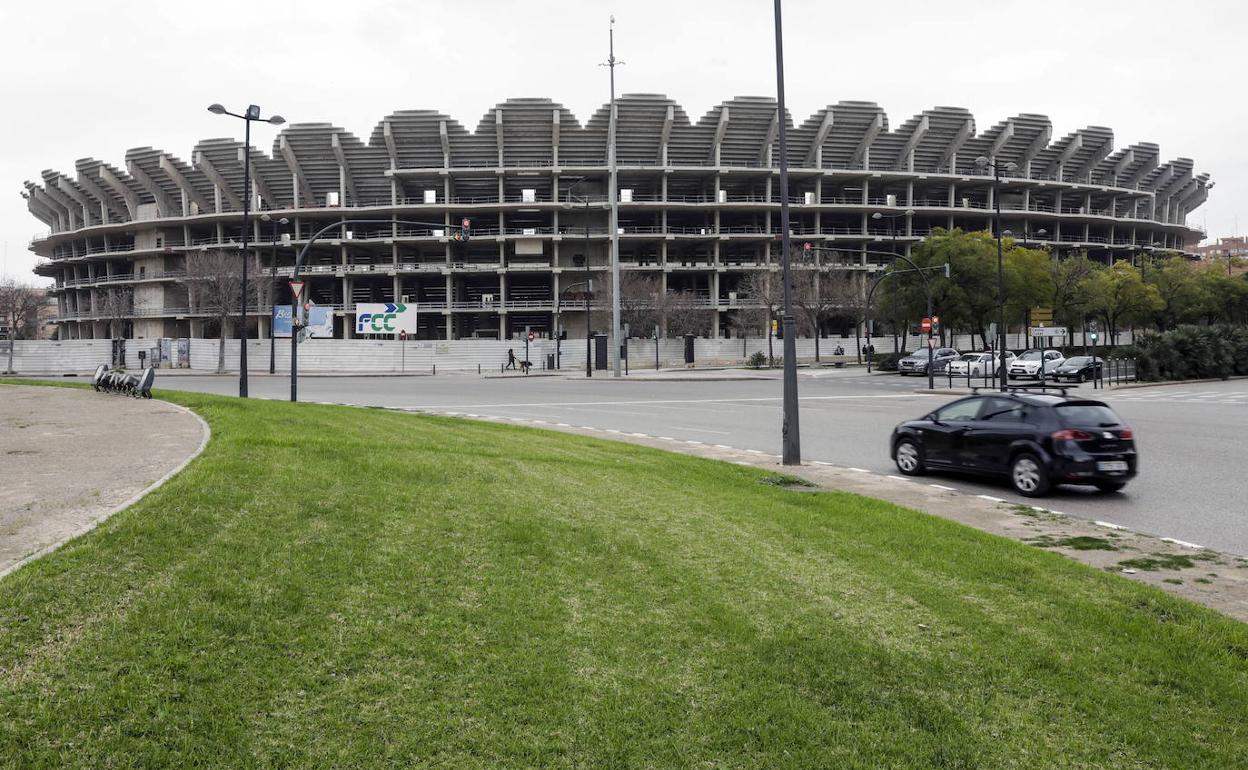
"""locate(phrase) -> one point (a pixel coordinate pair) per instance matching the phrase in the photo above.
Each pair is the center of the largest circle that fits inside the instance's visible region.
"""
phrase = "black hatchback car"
(1036, 439)
(1078, 369)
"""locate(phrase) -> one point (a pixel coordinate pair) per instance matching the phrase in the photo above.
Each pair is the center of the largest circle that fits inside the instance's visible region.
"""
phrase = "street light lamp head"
(283, 221)
(1007, 233)
(265, 217)
(1011, 166)
(253, 112)
(1042, 232)
(909, 212)
(216, 109)
(877, 215)
(981, 161)
(277, 120)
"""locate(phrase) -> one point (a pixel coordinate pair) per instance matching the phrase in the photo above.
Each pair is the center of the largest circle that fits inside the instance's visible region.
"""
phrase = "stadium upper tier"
(849, 146)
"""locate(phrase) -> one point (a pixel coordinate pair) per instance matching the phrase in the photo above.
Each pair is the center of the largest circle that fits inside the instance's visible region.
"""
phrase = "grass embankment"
(355, 588)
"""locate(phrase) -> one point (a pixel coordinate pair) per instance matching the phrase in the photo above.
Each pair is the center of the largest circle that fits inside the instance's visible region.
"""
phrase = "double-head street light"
(996, 168)
(589, 337)
(273, 224)
(252, 114)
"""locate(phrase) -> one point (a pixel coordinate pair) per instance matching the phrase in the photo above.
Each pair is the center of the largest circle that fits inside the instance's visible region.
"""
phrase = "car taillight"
(1126, 433)
(1071, 435)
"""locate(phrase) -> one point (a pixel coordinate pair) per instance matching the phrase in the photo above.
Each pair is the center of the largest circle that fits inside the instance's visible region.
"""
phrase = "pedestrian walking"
(511, 359)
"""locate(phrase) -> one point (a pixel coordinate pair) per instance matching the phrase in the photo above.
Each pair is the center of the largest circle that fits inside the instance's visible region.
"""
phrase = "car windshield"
(1078, 360)
(970, 357)
(1087, 415)
(1031, 355)
(920, 353)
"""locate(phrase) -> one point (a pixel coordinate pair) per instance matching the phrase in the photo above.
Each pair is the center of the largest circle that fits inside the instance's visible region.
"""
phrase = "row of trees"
(1157, 291)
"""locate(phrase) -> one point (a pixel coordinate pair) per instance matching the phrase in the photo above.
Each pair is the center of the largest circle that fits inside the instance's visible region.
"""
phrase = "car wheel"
(1111, 486)
(908, 459)
(1085, 376)
(1028, 475)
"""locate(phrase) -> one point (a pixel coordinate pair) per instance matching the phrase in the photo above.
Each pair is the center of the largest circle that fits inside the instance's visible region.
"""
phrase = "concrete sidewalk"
(70, 458)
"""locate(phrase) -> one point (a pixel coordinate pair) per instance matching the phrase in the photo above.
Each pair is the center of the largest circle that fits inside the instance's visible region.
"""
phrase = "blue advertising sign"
(320, 321)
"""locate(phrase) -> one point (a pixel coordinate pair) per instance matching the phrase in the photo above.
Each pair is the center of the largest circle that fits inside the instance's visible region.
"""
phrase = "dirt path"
(70, 458)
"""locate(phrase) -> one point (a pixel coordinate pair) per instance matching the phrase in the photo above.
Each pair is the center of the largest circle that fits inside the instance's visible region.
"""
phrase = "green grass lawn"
(339, 587)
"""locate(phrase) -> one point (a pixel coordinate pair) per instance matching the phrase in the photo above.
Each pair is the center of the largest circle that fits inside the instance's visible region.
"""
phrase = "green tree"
(1120, 296)
(1070, 283)
(1222, 298)
(1178, 286)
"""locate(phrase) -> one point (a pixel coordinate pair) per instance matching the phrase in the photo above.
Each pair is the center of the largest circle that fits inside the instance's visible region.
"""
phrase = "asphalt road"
(1190, 437)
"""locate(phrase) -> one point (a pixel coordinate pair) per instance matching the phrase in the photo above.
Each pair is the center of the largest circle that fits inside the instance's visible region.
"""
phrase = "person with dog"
(511, 359)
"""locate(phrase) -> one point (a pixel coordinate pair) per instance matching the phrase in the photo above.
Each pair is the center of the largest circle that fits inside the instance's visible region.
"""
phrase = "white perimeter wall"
(317, 355)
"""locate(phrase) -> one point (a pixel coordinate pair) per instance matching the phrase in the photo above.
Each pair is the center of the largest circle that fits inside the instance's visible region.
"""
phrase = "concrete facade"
(698, 208)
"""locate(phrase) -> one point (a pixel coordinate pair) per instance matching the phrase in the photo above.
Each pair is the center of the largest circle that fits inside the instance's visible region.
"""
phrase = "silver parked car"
(916, 362)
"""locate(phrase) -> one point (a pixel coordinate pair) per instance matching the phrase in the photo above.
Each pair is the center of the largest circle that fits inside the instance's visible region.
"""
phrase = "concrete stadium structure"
(698, 208)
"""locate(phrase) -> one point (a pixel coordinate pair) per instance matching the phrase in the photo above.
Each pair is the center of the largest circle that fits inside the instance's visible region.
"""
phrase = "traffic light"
(465, 225)
(807, 247)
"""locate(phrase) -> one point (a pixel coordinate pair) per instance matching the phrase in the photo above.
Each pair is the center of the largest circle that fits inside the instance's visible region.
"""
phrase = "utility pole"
(615, 211)
(791, 451)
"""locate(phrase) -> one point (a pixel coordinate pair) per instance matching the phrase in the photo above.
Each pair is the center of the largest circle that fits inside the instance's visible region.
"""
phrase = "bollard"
(435, 368)
(478, 368)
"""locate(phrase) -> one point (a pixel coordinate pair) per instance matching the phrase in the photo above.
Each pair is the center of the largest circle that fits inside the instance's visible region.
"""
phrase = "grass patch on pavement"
(337, 587)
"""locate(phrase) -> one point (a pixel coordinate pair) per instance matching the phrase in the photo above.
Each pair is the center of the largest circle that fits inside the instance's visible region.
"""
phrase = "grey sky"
(97, 77)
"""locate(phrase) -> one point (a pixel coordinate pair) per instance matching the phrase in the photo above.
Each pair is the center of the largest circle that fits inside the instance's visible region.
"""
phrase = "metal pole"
(996, 199)
(273, 297)
(242, 354)
(791, 451)
(589, 337)
(615, 212)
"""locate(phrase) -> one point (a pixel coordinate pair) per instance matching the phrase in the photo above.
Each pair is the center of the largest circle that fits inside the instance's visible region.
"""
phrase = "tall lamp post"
(611, 64)
(996, 168)
(273, 284)
(589, 338)
(252, 114)
(791, 443)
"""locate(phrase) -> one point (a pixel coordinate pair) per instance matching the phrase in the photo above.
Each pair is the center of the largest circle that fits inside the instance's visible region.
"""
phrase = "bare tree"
(19, 310)
(117, 304)
(765, 291)
(214, 282)
(687, 313)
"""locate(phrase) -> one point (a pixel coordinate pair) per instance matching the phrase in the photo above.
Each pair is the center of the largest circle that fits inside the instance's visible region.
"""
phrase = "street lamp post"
(790, 434)
(461, 232)
(927, 290)
(589, 367)
(611, 64)
(273, 285)
(252, 114)
(984, 162)
(892, 227)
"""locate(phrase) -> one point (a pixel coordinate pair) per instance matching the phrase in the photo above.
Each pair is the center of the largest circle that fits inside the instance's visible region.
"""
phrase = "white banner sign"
(384, 318)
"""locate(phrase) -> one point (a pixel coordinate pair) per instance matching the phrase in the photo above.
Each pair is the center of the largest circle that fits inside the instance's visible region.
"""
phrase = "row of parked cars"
(1030, 365)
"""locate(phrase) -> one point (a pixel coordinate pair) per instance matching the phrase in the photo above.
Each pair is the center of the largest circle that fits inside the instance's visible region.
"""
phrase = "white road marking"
(859, 470)
(899, 478)
(740, 401)
(990, 497)
(695, 443)
(640, 435)
(1108, 525)
(665, 438)
(819, 462)
(722, 446)
(942, 486)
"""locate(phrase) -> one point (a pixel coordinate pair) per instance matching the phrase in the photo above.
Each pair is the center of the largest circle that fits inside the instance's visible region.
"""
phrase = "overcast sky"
(97, 77)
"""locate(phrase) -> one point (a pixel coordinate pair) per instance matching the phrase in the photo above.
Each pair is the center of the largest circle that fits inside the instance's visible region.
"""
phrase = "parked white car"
(1028, 365)
(974, 364)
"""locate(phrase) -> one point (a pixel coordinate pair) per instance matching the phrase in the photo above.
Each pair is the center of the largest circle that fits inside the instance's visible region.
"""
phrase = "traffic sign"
(926, 324)
(1051, 331)
(296, 288)
(1042, 316)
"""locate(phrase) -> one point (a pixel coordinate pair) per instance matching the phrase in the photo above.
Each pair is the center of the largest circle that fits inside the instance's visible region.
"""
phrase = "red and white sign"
(926, 324)
(296, 288)
(532, 336)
